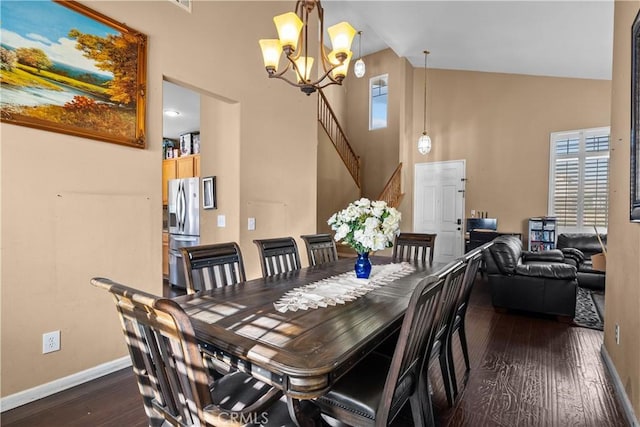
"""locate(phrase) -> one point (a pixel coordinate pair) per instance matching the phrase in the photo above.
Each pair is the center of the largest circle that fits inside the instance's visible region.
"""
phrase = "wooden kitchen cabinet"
(165, 253)
(196, 165)
(168, 172)
(184, 167)
(181, 167)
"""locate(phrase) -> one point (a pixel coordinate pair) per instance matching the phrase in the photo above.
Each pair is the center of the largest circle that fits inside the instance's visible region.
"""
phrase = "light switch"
(251, 224)
(222, 221)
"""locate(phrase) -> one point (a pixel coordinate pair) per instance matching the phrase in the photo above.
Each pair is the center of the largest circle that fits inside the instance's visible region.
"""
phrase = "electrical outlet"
(617, 333)
(50, 342)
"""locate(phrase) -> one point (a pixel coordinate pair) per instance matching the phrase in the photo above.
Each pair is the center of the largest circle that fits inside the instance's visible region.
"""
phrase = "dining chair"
(212, 266)
(169, 369)
(473, 259)
(414, 247)
(321, 248)
(376, 389)
(279, 255)
(453, 275)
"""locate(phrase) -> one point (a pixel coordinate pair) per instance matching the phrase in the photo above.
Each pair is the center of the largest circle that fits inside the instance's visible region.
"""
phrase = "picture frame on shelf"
(209, 192)
(81, 74)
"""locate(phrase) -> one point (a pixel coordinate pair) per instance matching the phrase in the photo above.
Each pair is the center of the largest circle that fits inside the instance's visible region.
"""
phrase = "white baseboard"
(617, 384)
(44, 390)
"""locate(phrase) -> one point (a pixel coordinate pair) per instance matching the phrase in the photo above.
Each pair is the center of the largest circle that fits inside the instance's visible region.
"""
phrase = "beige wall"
(336, 188)
(220, 157)
(74, 208)
(500, 124)
(623, 268)
(379, 149)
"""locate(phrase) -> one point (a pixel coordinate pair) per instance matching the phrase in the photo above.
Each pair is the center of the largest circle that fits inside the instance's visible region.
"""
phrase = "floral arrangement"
(365, 225)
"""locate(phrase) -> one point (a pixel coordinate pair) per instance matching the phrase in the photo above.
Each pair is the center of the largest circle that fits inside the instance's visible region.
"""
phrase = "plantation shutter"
(566, 192)
(579, 179)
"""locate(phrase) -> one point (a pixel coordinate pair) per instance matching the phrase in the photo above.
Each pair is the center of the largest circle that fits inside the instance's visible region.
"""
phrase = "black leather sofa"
(577, 249)
(539, 282)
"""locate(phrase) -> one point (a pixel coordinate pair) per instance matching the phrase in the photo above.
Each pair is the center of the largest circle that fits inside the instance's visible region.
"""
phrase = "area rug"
(587, 314)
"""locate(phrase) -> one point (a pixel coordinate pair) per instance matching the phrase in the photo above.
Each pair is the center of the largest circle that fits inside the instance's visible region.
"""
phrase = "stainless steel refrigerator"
(184, 223)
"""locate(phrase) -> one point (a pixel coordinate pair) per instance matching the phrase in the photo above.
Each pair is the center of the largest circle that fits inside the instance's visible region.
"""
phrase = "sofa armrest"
(553, 255)
(548, 271)
(575, 255)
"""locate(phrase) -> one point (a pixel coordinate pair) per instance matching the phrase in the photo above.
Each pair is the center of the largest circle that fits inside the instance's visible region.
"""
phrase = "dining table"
(302, 350)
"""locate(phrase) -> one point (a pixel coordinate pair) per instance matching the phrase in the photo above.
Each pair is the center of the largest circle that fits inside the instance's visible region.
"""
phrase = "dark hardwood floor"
(525, 371)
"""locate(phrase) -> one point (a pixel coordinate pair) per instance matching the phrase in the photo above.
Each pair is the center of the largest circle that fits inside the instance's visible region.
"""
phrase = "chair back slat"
(414, 247)
(166, 359)
(473, 259)
(407, 363)
(321, 248)
(453, 274)
(278, 255)
(211, 266)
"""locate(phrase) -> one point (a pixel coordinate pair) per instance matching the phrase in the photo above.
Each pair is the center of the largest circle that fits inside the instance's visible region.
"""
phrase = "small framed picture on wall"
(209, 192)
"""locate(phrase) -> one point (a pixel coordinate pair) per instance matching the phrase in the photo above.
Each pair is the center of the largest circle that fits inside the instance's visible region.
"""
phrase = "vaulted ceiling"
(547, 38)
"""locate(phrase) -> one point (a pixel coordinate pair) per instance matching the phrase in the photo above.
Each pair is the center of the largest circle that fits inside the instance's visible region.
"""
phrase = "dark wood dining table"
(301, 352)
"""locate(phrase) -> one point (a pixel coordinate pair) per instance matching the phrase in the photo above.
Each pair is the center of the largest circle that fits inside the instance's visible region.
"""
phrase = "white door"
(438, 206)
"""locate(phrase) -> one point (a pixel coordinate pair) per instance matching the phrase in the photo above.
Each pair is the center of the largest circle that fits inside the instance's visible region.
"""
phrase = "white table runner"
(341, 288)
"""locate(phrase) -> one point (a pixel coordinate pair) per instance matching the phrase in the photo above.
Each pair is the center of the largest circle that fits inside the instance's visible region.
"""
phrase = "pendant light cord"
(424, 127)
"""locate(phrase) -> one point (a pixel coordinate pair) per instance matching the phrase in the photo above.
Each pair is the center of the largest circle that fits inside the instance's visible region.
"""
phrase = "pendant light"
(359, 68)
(424, 142)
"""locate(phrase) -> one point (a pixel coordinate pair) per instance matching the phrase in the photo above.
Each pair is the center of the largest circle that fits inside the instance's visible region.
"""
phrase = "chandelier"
(424, 142)
(293, 40)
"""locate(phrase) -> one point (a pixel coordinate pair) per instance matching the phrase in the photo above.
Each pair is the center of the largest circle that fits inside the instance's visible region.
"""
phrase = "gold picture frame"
(78, 72)
(635, 121)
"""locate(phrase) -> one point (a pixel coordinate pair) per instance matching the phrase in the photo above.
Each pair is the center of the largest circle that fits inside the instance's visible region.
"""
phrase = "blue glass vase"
(363, 266)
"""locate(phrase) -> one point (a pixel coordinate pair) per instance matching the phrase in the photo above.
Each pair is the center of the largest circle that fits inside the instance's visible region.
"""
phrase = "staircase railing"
(329, 122)
(392, 192)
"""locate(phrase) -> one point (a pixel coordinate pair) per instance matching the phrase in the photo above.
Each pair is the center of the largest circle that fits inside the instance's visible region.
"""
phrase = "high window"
(579, 179)
(378, 100)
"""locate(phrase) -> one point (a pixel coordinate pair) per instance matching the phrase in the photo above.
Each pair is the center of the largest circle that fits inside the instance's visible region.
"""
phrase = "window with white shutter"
(579, 180)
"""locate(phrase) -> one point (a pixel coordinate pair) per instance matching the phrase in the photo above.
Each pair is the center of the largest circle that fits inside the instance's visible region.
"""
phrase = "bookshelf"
(542, 233)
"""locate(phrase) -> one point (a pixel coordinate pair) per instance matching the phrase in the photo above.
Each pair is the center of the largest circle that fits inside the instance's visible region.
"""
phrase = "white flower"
(342, 232)
(332, 219)
(366, 225)
(378, 208)
(364, 203)
(371, 223)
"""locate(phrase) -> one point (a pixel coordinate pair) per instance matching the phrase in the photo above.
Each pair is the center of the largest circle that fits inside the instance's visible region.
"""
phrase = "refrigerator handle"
(180, 207)
(183, 198)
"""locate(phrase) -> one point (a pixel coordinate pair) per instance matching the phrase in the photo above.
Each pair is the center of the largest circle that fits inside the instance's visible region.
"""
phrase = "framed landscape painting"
(76, 72)
(635, 120)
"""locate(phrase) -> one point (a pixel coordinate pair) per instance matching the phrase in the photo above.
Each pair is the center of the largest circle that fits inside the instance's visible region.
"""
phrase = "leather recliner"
(539, 282)
(577, 249)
